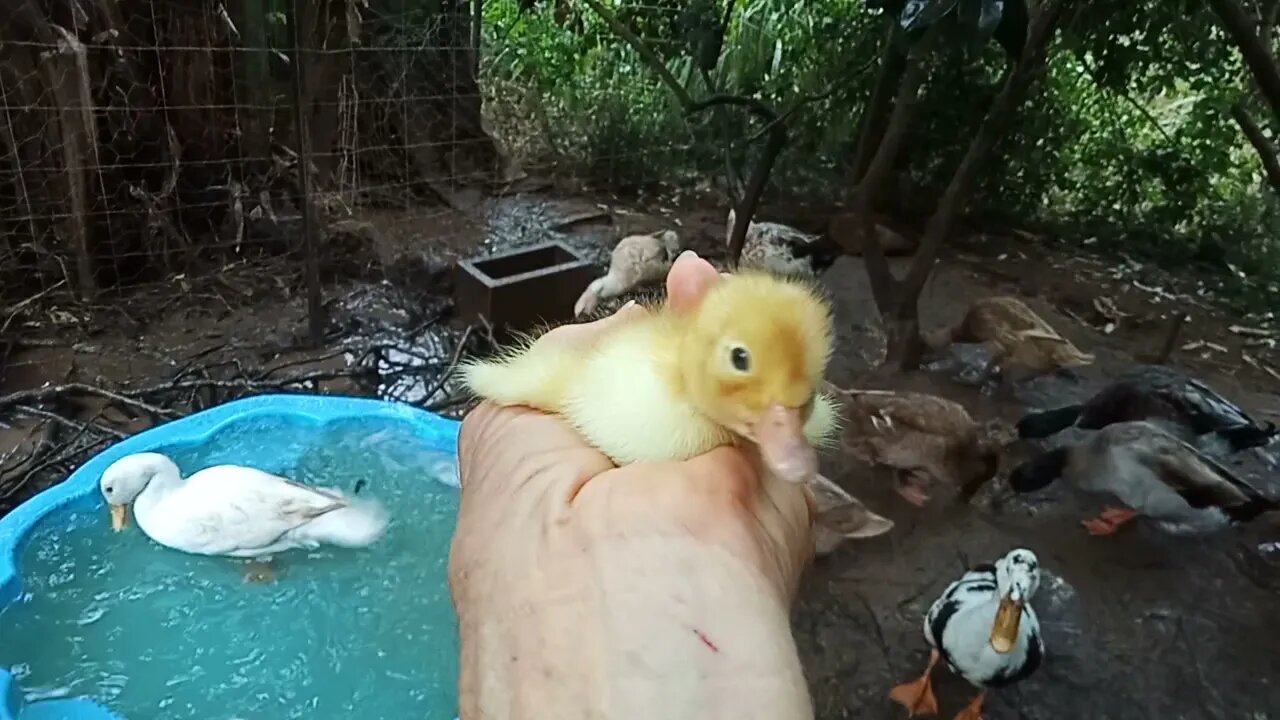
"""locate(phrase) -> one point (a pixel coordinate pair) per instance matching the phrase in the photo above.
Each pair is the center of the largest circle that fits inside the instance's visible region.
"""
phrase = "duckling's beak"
(119, 517)
(786, 452)
(1004, 632)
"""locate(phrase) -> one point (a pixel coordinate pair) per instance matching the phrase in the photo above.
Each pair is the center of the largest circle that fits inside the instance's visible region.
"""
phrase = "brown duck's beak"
(1004, 632)
(786, 452)
(119, 517)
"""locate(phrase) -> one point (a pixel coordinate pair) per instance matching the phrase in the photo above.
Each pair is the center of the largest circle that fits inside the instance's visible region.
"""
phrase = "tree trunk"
(875, 118)
(959, 188)
(866, 195)
(1266, 149)
(1256, 52)
(904, 348)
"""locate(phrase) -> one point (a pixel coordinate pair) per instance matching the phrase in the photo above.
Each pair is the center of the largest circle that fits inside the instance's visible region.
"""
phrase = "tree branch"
(874, 118)
(1256, 52)
(644, 51)
(1005, 105)
(883, 284)
(745, 207)
(1267, 151)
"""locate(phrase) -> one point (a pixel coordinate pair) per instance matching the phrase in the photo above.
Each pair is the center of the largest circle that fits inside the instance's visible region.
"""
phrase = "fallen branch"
(453, 364)
(73, 424)
(50, 392)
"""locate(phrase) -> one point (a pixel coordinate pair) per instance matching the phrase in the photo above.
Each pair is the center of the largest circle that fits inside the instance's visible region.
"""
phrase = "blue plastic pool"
(78, 496)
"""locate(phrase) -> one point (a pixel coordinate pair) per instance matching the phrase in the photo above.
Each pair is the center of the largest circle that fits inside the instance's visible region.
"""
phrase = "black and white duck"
(1153, 473)
(1187, 406)
(984, 628)
(782, 249)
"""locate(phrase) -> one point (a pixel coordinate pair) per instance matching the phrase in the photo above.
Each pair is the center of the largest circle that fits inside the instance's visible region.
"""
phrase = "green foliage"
(1127, 138)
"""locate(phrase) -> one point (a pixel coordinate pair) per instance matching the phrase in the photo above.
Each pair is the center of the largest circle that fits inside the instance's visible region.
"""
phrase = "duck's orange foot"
(913, 495)
(1117, 515)
(1109, 521)
(258, 572)
(973, 711)
(917, 697)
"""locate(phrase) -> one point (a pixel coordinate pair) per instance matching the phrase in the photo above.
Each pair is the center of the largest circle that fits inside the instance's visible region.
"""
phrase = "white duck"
(983, 626)
(636, 260)
(234, 511)
(782, 249)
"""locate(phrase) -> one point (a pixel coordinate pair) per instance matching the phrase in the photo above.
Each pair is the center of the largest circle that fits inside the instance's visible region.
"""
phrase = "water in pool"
(154, 633)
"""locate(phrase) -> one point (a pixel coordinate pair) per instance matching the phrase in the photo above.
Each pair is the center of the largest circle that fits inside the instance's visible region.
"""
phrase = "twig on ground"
(453, 364)
(73, 424)
(48, 392)
(18, 307)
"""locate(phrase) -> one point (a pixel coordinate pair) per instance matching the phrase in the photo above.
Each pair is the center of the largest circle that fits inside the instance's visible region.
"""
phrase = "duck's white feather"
(770, 246)
(243, 512)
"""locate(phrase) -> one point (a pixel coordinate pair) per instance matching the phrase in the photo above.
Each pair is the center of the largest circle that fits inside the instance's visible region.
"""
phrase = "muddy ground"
(1138, 625)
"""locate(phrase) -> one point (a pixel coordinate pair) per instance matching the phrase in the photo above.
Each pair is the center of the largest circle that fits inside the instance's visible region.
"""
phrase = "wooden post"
(310, 221)
(67, 70)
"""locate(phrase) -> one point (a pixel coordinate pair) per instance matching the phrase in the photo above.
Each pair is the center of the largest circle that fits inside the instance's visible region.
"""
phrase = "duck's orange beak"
(1004, 632)
(786, 452)
(119, 517)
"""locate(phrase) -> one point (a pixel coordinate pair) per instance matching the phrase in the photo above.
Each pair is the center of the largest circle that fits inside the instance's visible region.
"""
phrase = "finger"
(689, 280)
(493, 435)
(584, 332)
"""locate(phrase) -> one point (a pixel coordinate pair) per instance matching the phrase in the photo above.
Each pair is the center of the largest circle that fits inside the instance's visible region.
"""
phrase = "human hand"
(638, 589)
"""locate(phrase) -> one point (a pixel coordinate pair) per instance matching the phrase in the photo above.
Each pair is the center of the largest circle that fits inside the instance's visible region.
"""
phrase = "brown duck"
(1014, 335)
(924, 438)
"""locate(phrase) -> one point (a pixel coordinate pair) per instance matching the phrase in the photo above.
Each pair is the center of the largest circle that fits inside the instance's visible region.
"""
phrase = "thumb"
(689, 280)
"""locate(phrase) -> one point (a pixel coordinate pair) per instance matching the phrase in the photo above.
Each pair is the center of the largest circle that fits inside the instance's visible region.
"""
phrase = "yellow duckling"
(1014, 335)
(743, 364)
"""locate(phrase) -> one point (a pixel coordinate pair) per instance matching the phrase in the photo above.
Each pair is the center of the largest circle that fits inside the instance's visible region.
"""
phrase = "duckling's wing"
(1199, 479)
(229, 509)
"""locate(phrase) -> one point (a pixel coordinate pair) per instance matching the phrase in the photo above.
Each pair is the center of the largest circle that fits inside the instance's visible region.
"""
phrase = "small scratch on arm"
(706, 640)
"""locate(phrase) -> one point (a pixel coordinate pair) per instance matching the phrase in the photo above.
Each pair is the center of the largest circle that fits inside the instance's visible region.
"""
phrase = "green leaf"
(917, 14)
(1011, 29)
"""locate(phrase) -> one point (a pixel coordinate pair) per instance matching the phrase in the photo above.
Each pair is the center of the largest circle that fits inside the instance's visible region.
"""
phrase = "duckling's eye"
(740, 358)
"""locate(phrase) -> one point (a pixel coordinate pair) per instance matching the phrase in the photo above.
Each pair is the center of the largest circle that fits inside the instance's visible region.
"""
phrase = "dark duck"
(1182, 404)
(1153, 473)
(984, 628)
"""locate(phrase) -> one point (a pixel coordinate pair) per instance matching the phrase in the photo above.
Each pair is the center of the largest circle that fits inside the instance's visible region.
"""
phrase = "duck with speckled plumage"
(782, 249)
(984, 628)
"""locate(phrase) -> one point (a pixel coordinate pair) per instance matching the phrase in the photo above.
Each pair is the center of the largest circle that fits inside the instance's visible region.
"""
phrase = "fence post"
(310, 220)
(477, 20)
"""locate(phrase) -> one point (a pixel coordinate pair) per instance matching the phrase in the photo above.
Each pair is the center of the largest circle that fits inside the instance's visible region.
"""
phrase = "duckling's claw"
(973, 711)
(917, 696)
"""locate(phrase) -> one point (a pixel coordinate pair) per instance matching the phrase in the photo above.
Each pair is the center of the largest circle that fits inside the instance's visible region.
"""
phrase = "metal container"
(521, 289)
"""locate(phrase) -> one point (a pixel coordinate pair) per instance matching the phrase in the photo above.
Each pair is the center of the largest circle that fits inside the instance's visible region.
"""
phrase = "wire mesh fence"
(145, 143)
(164, 149)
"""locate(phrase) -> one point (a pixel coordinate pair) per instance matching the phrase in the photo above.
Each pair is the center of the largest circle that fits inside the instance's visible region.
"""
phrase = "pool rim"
(82, 484)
